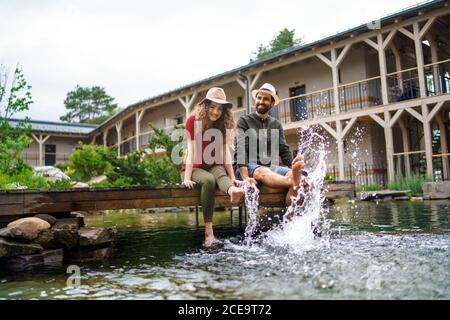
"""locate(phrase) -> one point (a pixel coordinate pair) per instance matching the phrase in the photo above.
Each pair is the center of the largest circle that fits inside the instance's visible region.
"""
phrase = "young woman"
(205, 167)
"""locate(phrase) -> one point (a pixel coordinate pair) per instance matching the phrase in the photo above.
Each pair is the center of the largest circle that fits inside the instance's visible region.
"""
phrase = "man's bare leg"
(271, 179)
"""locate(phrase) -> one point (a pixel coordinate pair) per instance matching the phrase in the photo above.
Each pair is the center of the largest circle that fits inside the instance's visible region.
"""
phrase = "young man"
(261, 142)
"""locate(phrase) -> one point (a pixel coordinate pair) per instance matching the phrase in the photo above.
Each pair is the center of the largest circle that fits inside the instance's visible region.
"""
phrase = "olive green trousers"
(208, 178)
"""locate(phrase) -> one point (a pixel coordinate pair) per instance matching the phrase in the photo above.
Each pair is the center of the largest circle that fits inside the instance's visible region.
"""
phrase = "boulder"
(98, 179)
(46, 217)
(65, 236)
(51, 173)
(24, 229)
(80, 185)
(96, 236)
(436, 190)
(11, 249)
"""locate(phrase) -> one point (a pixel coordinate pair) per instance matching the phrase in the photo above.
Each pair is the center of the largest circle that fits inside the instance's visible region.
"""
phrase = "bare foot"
(296, 174)
(235, 194)
(211, 241)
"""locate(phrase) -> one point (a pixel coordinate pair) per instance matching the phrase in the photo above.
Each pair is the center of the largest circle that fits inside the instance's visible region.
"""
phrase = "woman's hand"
(189, 184)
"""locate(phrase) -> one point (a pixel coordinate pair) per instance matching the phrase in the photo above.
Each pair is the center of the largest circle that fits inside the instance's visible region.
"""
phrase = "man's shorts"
(253, 166)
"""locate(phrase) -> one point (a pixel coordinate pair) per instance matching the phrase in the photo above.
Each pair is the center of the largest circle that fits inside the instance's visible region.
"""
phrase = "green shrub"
(413, 183)
(135, 169)
(89, 161)
(23, 178)
(60, 183)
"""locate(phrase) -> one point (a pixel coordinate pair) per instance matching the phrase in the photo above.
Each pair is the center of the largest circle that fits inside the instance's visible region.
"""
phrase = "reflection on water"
(389, 250)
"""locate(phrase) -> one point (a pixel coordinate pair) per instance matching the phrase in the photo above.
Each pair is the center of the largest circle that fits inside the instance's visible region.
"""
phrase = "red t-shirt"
(189, 133)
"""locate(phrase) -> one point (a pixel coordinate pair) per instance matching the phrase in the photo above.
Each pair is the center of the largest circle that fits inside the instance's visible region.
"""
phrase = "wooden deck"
(17, 203)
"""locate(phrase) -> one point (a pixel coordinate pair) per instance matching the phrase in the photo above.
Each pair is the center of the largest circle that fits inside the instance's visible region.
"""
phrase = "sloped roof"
(57, 127)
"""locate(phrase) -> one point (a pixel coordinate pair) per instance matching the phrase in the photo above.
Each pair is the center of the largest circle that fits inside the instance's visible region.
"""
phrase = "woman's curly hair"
(226, 121)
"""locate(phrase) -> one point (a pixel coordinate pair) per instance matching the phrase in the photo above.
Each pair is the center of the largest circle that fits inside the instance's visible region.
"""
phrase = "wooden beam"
(389, 38)
(396, 116)
(329, 129)
(406, 33)
(435, 110)
(324, 59)
(348, 127)
(343, 54)
(371, 43)
(415, 114)
(427, 26)
(377, 119)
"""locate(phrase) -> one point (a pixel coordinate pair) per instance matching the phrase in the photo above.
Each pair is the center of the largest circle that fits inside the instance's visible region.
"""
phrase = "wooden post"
(105, 137)
(187, 102)
(119, 135)
(405, 139)
(41, 142)
(139, 115)
(444, 146)
(334, 64)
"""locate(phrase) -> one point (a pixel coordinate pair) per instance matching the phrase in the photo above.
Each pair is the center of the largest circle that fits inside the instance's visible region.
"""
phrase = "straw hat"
(267, 88)
(217, 95)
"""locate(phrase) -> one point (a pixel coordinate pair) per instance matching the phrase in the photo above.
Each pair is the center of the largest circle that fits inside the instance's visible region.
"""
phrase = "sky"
(137, 49)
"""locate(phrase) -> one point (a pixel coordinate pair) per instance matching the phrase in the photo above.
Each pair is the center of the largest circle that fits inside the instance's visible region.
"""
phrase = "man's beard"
(262, 109)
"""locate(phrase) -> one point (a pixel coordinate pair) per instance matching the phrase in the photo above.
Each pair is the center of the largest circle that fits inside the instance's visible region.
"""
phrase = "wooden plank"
(90, 195)
(11, 198)
(10, 209)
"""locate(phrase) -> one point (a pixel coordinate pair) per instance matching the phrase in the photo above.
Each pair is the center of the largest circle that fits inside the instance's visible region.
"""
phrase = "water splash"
(252, 204)
(304, 220)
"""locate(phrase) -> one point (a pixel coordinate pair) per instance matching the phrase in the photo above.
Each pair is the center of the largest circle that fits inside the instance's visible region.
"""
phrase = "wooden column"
(247, 91)
(119, 136)
(380, 46)
(139, 115)
(105, 137)
(187, 102)
(41, 140)
(405, 140)
(444, 146)
(334, 64)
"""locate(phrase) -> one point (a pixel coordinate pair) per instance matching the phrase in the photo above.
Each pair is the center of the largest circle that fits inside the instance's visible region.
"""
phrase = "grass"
(413, 183)
(369, 187)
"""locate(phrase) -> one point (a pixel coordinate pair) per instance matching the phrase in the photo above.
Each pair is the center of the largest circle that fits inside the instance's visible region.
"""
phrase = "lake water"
(385, 250)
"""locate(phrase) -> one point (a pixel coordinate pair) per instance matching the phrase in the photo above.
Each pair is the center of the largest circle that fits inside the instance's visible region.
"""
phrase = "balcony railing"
(306, 106)
(361, 94)
(402, 85)
(361, 174)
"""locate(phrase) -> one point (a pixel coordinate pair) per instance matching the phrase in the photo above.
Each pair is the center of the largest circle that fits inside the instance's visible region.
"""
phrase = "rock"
(80, 185)
(51, 173)
(26, 229)
(46, 217)
(46, 258)
(86, 253)
(11, 249)
(436, 190)
(76, 221)
(96, 236)
(46, 239)
(65, 236)
(98, 179)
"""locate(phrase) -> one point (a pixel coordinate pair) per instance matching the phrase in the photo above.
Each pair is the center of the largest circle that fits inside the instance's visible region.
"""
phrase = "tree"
(88, 105)
(15, 96)
(284, 40)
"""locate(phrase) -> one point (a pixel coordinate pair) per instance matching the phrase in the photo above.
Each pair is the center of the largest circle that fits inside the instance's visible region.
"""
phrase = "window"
(50, 154)
(240, 102)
